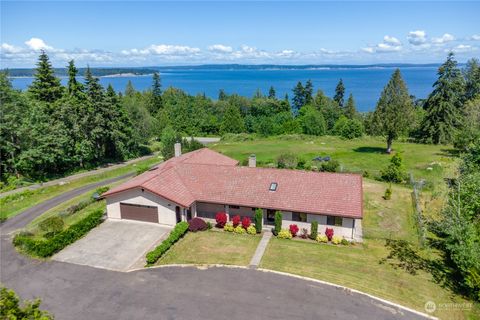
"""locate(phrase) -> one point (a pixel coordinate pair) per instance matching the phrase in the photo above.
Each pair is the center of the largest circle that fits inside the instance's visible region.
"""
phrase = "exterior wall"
(348, 230)
(208, 210)
(242, 212)
(166, 209)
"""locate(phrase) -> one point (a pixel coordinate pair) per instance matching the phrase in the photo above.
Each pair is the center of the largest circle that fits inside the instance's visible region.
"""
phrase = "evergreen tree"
(350, 110)
(444, 104)
(298, 97)
(73, 86)
(472, 79)
(272, 93)
(129, 89)
(222, 96)
(45, 87)
(232, 121)
(156, 103)
(394, 110)
(309, 92)
(339, 93)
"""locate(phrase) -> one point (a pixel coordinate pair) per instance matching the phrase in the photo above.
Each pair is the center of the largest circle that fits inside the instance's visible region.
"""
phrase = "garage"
(138, 212)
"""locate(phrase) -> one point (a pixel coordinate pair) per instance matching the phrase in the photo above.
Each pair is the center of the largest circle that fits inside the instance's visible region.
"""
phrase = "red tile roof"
(207, 176)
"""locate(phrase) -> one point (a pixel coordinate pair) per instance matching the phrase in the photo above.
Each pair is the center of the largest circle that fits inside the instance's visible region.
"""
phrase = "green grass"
(212, 247)
(14, 204)
(357, 155)
(358, 267)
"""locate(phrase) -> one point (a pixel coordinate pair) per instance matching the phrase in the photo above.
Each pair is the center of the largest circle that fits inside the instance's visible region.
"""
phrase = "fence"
(417, 208)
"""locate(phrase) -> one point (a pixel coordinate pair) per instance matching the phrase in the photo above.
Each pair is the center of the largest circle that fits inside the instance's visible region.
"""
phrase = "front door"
(270, 218)
(178, 214)
(189, 214)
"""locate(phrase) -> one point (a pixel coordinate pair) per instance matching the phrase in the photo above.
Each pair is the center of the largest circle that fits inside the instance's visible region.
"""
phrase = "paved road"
(22, 219)
(73, 177)
(72, 291)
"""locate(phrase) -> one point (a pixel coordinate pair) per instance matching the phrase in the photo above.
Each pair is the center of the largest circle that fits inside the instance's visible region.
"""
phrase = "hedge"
(46, 248)
(178, 232)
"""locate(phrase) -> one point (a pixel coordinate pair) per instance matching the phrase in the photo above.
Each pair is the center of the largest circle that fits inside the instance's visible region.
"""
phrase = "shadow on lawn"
(370, 150)
(449, 152)
(404, 256)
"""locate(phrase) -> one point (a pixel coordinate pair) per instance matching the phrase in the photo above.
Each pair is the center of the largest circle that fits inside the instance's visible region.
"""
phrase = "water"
(365, 84)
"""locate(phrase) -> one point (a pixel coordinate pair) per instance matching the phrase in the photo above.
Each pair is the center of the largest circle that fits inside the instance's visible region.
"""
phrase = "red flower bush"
(221, 218)
(329, 233)
(197, 224)
(236, 220)
(293, 230)
(304, 234)
(246, 222)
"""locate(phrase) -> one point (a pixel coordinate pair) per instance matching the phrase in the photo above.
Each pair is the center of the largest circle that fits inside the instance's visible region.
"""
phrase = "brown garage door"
(138, 212)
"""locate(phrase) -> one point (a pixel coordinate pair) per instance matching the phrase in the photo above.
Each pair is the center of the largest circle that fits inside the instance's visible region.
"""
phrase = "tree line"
(51, 129)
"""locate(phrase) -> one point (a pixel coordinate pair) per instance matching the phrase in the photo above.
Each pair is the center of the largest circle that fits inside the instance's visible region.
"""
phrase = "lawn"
(358, 267)
(14, 204)
(212, 247)
(430, 162)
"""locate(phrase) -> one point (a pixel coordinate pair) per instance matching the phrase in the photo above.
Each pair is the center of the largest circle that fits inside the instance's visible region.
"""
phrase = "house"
(203, 182)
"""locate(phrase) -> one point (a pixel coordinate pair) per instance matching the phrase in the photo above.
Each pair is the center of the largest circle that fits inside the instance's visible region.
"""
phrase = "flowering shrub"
(197, 224)
(246, 222)
(228, 227)
(329, 233)
(221, 219)
(239, 229)
(322, 238)
(251, 230)
(304, 234)
(336, 240)
(293, 230)
(284, 234)
(236, 220)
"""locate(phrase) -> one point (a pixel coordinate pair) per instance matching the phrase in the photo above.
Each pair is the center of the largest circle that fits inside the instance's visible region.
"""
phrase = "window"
(234, 207)
(300, 217)
(273, 186)
(334, 221)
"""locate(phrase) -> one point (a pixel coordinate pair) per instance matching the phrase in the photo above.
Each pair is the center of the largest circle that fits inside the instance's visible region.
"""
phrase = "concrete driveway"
(118, 245)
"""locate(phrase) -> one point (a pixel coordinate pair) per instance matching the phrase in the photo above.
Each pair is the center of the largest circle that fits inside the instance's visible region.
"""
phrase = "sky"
(158, 33)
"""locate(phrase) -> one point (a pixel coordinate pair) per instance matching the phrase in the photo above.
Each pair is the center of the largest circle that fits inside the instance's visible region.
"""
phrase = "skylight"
(273, 186)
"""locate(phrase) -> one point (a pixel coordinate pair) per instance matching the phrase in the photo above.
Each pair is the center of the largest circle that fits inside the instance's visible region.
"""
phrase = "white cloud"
(8, 48)
(443, 39)
(220, 48)
(391, 40)
(475, 37)
(37, 44)
(417, 37)
(461, 48)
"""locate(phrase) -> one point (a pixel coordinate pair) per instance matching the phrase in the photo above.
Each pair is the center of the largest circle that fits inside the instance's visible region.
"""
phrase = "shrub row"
(46, 248)
(178, 232)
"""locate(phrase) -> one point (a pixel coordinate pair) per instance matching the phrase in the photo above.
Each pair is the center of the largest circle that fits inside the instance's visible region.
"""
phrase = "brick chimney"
(178, 149)
(252, 161)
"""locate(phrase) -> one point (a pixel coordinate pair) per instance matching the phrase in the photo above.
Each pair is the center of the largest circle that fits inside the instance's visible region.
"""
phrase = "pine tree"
(73, 86)
(272, 93)
(309, 92)
(129, 89)
(156, 93)
(222, 96)
(339, 93)
(394, 110)
(472, 79)
(298, 97)
(350, 110)
(45, 87)
(444, 104)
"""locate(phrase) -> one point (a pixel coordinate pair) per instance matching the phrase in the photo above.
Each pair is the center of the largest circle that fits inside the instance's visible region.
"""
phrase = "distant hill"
(97, 72)
(103, 72)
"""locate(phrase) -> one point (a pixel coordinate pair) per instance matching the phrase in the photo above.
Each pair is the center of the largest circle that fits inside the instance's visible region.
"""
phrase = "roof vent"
(273, 186)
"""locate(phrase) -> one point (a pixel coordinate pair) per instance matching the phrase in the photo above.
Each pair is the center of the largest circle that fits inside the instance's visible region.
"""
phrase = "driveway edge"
(206, 266)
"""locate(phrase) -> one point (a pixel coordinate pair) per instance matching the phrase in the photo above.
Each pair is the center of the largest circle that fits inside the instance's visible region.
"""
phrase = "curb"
(207, 266)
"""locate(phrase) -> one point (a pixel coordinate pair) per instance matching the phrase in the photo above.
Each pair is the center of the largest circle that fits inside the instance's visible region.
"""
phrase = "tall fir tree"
(45, 87)
(222, 96)
(444, 104)
(350, 110)
(156, 103)
(298, 97)
(130, 89)
(472, 79)
(73, 86)
(308, 92)
(339, 93)
(271, 93)
(394, 111)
